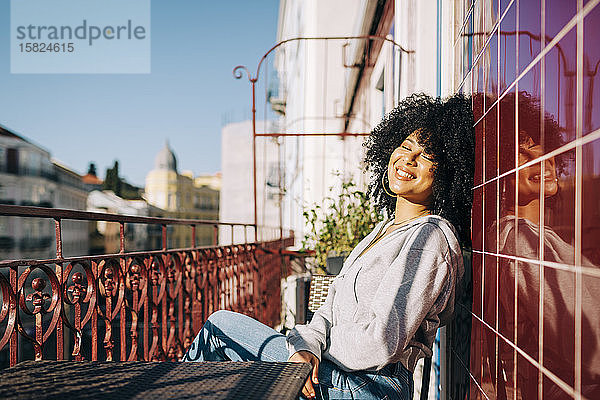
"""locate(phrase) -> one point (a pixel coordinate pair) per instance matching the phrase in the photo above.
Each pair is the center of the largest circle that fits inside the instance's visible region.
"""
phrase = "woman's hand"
(308, 357)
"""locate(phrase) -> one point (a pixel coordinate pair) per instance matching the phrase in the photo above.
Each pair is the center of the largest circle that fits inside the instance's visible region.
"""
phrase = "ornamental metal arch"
(366, 53)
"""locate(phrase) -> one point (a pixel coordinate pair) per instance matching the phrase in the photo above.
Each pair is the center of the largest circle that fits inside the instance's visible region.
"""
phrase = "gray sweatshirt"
(386, 305)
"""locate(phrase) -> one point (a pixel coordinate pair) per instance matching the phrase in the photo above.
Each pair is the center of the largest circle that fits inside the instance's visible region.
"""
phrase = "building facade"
(236, 200)
(71, 193)
(529, 67)
(182, 196)
(342, 86)
(29, 177)
(105, 236)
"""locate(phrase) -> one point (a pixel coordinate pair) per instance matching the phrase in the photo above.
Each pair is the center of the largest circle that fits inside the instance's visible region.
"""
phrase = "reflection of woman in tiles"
(519, 232)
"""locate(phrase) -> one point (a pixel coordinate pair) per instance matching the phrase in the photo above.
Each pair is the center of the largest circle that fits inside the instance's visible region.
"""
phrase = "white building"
(29, 177)
(312, 79)
(137, 236)
(346, 85)
(71, 193)
(331, 86)
(237, 199)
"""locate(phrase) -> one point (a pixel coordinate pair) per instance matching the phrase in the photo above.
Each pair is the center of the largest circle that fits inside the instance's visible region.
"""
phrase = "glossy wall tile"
(590, 335)
(590, 207)
(536, 213)
(530, 32)
(528, 308)
(559, 323)
(560, 88)
(557, 14)
(508, 48)
(526, 379)
(591, 70)
(559, 209)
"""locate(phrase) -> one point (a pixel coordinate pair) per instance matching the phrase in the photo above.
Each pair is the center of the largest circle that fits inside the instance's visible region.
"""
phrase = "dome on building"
(165, 159)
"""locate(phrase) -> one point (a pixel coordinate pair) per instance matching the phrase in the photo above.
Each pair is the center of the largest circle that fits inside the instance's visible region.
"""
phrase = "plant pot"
(335, 262)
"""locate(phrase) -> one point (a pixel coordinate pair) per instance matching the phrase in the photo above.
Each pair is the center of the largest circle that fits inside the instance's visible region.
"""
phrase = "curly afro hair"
(530, 117)
(445, 130)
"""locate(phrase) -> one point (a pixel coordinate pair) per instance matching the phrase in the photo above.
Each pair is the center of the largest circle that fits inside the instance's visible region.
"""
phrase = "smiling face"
(530, 178)
(410, 171)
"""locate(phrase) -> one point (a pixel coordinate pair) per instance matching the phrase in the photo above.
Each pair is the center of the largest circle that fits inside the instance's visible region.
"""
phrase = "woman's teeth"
(404, 174)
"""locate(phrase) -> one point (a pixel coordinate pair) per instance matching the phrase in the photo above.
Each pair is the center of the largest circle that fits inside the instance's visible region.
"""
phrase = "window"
(12, 161)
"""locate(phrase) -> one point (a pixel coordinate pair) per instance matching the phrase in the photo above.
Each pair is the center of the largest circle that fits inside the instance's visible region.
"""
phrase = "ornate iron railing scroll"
(131, 305)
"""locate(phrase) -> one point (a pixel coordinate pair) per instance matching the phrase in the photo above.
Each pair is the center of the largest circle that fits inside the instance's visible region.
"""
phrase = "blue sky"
(186, 98)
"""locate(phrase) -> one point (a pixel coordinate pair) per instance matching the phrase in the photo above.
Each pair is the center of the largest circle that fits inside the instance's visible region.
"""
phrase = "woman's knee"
(221, 319)
(220, 315)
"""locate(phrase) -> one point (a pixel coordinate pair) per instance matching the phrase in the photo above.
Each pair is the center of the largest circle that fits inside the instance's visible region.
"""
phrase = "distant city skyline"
(188, 96)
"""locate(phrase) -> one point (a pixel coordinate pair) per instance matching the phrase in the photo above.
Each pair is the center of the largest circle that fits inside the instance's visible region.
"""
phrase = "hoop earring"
(385, 189)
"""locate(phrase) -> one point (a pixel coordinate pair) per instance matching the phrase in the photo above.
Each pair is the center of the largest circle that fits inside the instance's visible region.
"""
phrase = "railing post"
(76, 290)
(95, 316)
(121, 237)
(14, 342)
(122, 313)
(254, 148)
(57, 230)
(180, 315)
(147, 322)
(164, 236)
(58, 271)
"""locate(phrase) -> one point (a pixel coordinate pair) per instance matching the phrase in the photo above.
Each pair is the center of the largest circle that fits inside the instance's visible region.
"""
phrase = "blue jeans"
(231, 336)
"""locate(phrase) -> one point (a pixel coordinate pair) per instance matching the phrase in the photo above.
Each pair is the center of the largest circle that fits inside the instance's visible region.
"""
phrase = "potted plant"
(336, 226)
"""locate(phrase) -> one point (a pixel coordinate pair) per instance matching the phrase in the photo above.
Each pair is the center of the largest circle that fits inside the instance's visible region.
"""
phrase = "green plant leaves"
(340, 224)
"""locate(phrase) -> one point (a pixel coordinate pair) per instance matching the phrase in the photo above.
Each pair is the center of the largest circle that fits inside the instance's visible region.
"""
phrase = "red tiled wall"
(535, 316)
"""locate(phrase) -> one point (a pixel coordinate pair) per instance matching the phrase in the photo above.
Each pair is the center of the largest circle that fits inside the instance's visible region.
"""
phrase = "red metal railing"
(131, 305)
